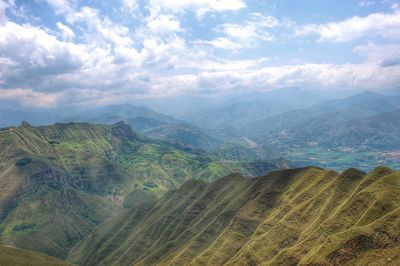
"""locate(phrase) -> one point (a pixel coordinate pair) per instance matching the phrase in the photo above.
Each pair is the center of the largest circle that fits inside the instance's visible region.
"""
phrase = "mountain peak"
(121, 123)
(25, 124)
(123, 130)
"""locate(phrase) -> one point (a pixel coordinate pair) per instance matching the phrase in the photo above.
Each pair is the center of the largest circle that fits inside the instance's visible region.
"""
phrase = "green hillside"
(18, 257)
(59, 182)
(306, 216)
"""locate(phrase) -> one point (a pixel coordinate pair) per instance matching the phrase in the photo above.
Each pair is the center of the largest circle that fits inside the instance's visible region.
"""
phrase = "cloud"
(389, 62)
(87, 57)
(163, 23)
(385, 55)
(366, 3)
(100, 30)
(36, 54)
(245, 35)
(61, 6)
(221, 43)
(199, 7)
(385, 25)
(319, 76)
(66, 32)
(28, 97)
(131, 5)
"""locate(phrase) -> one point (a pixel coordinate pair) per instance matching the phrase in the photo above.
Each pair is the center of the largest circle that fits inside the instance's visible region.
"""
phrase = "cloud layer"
(158, 48)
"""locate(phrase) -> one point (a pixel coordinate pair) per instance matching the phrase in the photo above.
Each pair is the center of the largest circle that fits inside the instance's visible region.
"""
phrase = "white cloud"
(60, 6)
(30, 98)
(377, 24)
(385, 55)
(319, 76)
(199, 7)
(131, 5)
(261, 21)
(221, 43)
(33, 48)
(4, 5)
(245, 35)
(100, 30)
(163, 23)
(366, 3)
(66, 32)
(94, 59)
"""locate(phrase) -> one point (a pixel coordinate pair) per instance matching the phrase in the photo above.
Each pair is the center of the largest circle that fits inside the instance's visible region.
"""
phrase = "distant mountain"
(375, 132)
(306, 216)
(331, 123)
(59, 182)
(252, 107)
(150, 123)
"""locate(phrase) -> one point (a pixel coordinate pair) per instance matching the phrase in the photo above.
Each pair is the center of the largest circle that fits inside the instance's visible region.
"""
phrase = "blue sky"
(55, 52)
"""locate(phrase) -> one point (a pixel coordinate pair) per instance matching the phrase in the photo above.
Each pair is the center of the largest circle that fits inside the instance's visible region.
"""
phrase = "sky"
(84, 52)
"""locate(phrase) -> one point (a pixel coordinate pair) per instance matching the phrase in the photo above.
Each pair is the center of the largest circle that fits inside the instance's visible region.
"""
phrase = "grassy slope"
(59, 182)
(307, 216)
(19, 257)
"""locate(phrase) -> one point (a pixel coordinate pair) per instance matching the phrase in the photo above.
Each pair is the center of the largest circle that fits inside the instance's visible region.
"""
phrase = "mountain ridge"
(150, 123)
(306, 216)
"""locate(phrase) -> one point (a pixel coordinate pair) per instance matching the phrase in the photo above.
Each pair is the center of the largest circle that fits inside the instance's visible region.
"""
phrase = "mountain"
(15, 256)
(338, 134)
(59, 182)
(151, 124)
(307, 216)
(329, 114)
(252, 107)
(376, 132)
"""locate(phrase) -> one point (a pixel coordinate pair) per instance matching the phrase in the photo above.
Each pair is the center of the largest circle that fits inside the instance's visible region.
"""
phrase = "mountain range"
(362, 125)
(229, 117)
(59, 182)
(318, 121)
(307, 216)
(150, 123)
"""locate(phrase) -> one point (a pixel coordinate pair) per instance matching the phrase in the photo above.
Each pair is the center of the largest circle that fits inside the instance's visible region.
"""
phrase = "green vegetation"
(307, 216)
(59, 182)
(19, 257)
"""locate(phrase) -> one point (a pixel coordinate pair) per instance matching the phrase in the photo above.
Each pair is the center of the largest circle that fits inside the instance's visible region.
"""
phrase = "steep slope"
(306, 216)
(150, 123)
(59, 182)
(20, 257)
